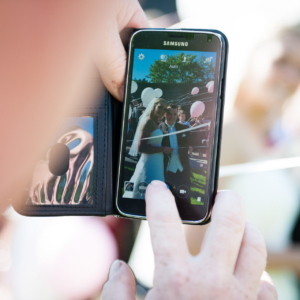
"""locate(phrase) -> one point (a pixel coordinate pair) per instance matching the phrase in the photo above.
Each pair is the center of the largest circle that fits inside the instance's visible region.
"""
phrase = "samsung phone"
(172, 118)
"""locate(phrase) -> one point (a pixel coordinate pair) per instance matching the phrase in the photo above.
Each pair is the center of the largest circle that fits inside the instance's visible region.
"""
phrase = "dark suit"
(134, 119)
(183, 141)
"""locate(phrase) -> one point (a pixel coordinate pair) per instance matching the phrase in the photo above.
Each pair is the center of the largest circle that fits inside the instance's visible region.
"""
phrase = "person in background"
(150, 165)
(199, 137)
(182, 120)
(134, 115)
(182, 117)
(54, 51)
(256, 130)
(139, 110)
(38, 39)
(142, 110)
(176, 164)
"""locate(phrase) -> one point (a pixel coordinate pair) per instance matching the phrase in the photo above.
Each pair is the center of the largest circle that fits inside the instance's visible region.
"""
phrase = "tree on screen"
(140, 80)
(182, 68)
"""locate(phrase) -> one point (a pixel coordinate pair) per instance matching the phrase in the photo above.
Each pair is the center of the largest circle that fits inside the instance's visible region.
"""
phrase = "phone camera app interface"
(171, 112)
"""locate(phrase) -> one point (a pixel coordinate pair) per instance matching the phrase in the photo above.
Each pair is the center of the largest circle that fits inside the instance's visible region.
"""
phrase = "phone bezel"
(137, 207)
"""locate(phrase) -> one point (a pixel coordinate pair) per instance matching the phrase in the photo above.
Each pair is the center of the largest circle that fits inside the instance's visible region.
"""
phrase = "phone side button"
(220, 90)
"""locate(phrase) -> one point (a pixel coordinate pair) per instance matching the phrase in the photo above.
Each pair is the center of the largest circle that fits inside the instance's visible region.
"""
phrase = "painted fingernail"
(121, 92)
(114, 268)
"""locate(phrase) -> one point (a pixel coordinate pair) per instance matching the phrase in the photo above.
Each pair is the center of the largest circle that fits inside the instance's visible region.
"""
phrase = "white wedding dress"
(149, 167)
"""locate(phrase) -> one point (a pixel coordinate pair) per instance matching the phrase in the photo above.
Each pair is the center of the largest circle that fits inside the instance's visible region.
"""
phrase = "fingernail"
(114, 268)
(158, 184)
(121, 92)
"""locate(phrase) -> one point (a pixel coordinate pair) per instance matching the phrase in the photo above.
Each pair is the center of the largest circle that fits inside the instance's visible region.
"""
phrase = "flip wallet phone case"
(77, 175)
(89, 142)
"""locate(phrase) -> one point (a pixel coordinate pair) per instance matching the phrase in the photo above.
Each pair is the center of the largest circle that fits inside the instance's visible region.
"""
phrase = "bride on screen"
(147, 141)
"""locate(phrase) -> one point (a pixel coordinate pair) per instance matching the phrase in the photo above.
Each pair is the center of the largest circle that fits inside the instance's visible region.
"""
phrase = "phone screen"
(169, 127)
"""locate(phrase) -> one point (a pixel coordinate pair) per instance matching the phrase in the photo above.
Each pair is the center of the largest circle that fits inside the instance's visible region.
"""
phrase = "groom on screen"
(176, 164)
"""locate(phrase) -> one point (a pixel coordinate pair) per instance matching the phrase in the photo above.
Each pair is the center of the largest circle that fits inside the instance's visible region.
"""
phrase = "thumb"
(111, 56)
(121, 282)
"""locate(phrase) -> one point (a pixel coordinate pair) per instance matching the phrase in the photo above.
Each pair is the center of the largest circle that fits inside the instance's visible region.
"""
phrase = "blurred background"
(69, 258)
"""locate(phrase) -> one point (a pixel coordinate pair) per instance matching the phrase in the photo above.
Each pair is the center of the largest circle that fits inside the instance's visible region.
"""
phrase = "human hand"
(230, 265)
(167, 150)
(60, 51)
(110, 56)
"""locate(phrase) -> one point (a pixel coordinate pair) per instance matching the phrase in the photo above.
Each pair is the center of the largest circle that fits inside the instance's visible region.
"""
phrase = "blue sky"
(86, 123)
(141, 67)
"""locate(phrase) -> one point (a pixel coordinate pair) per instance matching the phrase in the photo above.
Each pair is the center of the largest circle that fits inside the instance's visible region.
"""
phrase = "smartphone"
(172, 117)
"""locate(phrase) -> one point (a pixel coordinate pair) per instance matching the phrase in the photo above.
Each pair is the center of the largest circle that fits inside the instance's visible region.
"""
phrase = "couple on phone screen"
(164, 153)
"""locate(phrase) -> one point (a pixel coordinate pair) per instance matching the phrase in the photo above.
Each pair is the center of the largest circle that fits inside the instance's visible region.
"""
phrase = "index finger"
(223, 238)
(167, 236)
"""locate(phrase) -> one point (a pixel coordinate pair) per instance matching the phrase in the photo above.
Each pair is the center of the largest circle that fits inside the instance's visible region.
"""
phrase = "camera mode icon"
(183, 191)
(142, 187)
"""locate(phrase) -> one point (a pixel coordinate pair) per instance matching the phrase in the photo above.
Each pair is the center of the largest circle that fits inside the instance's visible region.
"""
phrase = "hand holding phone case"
(77, 175)
(86, 187)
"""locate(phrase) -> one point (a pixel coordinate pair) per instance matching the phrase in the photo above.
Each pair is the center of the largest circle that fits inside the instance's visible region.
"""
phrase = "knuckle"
(230, 210)
(117, 64)
(255, 239)
(232, 200)
(233, 222)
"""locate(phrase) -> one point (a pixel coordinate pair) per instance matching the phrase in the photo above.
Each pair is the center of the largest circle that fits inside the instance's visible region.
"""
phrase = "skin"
(271, 84)
(197, 121)
(55, 53)
(230, 265)
(134, 103)
(272, 78)
(171, 116)
(181, 118)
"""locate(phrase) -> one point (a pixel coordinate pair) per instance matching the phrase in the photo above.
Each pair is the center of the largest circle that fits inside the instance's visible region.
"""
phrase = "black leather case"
(107, 114)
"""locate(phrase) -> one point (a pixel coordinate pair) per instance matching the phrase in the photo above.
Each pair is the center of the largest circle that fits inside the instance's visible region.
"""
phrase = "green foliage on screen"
(174, 70)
